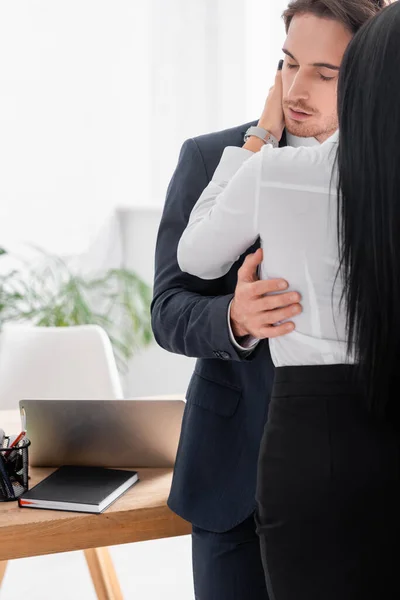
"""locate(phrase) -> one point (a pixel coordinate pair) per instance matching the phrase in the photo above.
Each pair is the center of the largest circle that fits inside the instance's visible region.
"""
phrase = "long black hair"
(369, 203)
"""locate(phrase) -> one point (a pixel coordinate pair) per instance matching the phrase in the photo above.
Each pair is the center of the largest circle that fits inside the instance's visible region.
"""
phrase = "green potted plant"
(51, 294)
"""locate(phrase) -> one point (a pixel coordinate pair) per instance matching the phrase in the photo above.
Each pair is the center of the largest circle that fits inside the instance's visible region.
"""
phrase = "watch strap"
(262, 134)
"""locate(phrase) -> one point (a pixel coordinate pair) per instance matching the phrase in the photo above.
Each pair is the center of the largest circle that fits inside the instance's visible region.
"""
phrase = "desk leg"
(103, 574)
(3, 567)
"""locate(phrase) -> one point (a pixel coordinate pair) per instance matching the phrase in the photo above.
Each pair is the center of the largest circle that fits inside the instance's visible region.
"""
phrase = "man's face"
(314, 49)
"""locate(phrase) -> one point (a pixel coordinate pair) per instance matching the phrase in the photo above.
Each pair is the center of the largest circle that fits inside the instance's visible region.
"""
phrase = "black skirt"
(328, 493)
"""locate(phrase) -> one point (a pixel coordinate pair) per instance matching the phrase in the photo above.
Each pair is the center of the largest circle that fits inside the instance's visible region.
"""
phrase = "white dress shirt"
(287, 197)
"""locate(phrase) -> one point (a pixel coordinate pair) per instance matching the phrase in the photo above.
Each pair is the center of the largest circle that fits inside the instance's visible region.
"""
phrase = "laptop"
(103, 433)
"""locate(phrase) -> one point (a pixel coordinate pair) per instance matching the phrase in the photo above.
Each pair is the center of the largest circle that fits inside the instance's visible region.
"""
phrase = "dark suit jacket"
(227, 400)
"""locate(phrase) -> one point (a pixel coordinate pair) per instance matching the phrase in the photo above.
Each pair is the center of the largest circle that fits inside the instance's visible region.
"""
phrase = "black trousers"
(328, 491)
(227, 566)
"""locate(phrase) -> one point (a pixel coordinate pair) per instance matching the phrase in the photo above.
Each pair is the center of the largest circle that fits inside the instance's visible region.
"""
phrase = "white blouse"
(288, 198)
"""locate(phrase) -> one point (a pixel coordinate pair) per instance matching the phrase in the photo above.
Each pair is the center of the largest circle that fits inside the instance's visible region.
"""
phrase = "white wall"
(70, 110)
(264, 33)
(154, 371)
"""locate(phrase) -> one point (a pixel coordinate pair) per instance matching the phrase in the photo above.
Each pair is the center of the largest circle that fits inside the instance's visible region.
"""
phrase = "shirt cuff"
(231, 161)
(249, 343)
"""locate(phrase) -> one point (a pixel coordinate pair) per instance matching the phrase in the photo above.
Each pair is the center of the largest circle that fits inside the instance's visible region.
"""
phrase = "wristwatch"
(262, 134)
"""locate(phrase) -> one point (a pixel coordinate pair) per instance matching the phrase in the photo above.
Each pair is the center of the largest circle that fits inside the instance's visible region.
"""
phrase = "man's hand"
(255, 313)
(272, 118)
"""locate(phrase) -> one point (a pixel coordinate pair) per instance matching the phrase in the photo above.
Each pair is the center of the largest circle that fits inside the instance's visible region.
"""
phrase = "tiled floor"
(156, 570)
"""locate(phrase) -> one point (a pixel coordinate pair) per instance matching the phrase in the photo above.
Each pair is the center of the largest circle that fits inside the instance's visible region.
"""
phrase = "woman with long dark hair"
(329, 222)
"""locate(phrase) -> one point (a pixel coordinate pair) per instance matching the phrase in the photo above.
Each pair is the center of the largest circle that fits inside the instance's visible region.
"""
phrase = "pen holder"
(14, 471)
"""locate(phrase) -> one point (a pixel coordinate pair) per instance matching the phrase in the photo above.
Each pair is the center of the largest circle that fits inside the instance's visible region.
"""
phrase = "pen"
(14, 443)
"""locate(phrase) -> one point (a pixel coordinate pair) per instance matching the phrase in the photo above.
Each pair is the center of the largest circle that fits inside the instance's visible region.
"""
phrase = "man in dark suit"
(225, 323)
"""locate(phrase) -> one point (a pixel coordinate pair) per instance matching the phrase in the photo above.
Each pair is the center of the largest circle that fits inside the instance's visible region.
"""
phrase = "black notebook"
(81, 489)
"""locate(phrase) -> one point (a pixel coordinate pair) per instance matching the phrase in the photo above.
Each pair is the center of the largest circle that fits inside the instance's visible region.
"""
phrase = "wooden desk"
(140, 514)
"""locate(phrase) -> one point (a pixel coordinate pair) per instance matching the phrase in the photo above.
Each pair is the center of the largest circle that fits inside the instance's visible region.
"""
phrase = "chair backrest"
(56, 362)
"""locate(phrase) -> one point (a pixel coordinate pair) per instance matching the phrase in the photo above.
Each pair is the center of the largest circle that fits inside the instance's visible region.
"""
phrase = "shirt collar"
(296, 142)
(334, 139)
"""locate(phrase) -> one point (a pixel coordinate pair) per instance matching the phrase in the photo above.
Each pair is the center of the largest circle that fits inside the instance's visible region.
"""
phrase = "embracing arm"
(223, 224)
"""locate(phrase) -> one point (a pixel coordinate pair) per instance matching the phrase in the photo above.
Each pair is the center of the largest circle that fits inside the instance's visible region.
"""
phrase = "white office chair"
(56, 362)
(61, 363)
